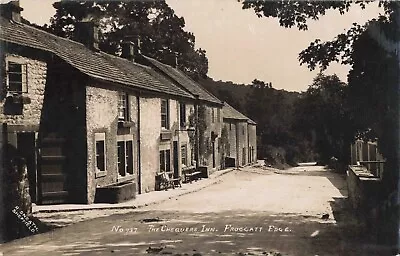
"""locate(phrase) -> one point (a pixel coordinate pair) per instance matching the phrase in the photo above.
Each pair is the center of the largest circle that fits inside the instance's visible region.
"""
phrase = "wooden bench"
(190, 173)
(166, 180)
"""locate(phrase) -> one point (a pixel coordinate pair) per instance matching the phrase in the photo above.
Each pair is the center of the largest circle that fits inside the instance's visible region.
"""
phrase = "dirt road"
(253, 211)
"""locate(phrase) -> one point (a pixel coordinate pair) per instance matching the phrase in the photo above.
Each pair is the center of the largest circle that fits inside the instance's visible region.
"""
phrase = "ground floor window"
(125, 157)
(165, 160)
(184, 155)
(100, 151)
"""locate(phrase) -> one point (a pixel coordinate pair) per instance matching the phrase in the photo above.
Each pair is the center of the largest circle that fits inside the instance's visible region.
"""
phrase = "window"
(230, 126)
(100, 151)
(182, 114)
(212, 115)
(243, 131)
(165, 160)
(184, 155)
(125, 157)
(218, 115)
(164, 114)
(123, 107)
(16, 77)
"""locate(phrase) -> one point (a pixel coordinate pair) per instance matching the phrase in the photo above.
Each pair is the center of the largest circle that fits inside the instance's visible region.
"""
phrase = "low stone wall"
(363, 190)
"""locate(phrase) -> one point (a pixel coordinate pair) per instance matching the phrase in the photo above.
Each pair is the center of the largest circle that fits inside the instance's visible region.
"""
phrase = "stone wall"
(231, 128)
(363, 191)
(150, 129)
(36, 80)
(253, 142)
(102, 118)
(216, 128)
(242, 133)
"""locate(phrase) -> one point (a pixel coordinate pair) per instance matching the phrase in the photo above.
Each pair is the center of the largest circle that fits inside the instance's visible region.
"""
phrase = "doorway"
(176, 160)
(27, 149)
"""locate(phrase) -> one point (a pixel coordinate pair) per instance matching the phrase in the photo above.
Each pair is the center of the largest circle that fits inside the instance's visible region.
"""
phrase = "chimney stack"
(87, 32)
(131, 49)
(11, 11)
(176, 59)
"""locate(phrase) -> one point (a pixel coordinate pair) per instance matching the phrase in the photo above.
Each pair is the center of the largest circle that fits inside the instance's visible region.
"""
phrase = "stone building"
(89, 123)
(206, 107)
(83, 119)
(242, 138)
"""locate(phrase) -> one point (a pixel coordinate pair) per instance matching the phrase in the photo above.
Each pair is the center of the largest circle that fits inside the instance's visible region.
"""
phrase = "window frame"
(23, 74)
(123, 107)
(165, 123)
(98, 137)
(165, 154)
(184, 155)
(182, 114)
(128, 158)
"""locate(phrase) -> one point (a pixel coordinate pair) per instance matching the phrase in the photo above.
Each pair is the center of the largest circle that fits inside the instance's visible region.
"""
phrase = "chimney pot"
(11, 11)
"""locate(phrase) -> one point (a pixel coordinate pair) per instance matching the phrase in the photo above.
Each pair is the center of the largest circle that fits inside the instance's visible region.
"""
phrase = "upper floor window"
(164, 114)
(182, 114)
(218, 115)
(123, 106)
(17, 77)
(212, 115)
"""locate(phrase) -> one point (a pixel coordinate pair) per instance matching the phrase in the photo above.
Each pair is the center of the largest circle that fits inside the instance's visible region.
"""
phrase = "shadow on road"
(225, 233)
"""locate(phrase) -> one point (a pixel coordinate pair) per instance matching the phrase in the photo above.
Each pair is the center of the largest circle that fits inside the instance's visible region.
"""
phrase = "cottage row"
(85, 120)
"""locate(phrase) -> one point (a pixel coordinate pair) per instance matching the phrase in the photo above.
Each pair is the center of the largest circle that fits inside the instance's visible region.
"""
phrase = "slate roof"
(231, 113)
(95, 64)
(184, 80)
(249, 121)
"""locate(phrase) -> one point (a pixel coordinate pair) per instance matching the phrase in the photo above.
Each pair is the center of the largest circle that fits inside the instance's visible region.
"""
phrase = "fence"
(366, 153)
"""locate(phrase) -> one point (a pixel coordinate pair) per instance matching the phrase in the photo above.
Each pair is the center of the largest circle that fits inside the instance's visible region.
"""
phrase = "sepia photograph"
(199, 127)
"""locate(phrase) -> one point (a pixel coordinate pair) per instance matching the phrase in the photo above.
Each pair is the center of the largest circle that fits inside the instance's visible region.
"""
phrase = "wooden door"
(52, 178)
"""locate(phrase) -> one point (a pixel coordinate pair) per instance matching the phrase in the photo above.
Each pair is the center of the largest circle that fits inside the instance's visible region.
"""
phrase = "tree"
(260, 84)
(160, 29)
(380, 36)
(322, 116)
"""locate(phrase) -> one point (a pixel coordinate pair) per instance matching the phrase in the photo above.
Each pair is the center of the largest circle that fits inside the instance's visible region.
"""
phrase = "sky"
(240, 46)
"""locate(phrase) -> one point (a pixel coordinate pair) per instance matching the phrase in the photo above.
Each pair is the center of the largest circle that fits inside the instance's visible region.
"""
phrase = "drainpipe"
(248, 144)
(197, 145)
(139, 146)
(237, 145)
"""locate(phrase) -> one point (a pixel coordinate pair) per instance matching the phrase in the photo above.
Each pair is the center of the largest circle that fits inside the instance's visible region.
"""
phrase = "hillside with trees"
(274, 111)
